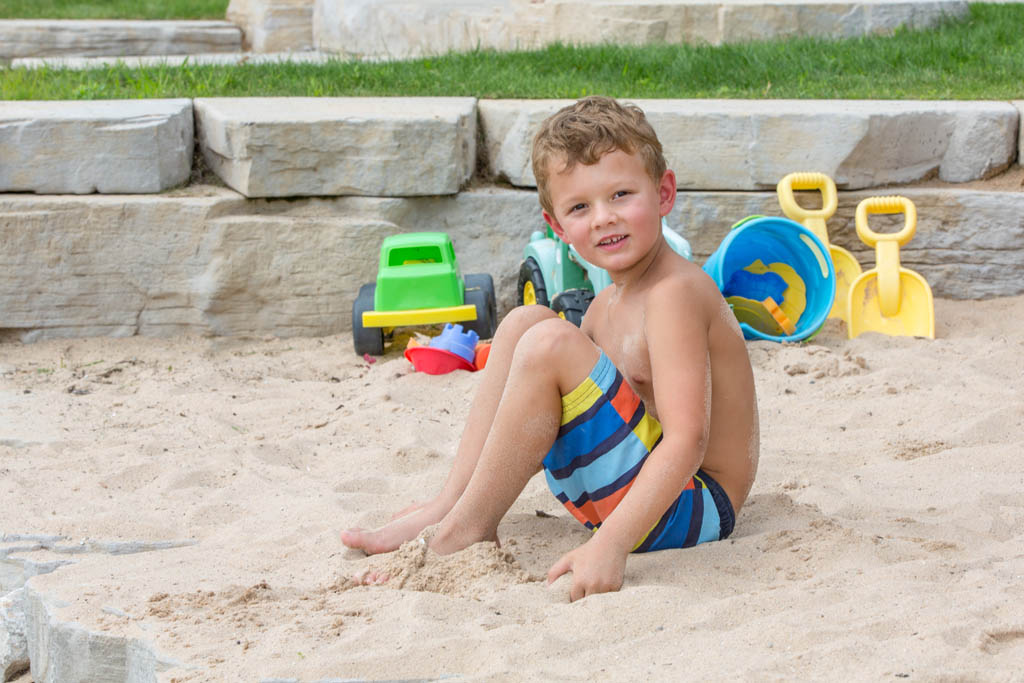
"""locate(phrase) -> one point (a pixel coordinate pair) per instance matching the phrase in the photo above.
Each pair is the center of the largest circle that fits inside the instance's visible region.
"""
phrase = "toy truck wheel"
(531, 289)
(480, 294)
(572, 304)
(366, 339)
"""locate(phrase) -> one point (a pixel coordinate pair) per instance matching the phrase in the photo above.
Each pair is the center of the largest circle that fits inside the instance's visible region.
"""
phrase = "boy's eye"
(577, 207)
(620, 193)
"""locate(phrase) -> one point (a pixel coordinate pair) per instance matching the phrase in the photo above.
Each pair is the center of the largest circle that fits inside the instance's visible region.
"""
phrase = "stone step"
(215, 263)
(106, 146)
(404, 28)
(304, 146)
(297, 147)
(110, 37)
(751, 144)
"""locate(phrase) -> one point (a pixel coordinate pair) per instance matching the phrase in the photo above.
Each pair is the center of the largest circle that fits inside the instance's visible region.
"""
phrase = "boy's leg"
(552, 358)
(414, 519)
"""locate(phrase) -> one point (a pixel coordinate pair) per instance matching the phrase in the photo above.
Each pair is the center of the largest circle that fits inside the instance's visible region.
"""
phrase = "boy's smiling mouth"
(611, 240)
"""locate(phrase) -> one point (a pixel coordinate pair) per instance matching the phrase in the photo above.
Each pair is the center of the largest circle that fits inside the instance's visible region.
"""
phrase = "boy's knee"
(552, 338)
(522, 318)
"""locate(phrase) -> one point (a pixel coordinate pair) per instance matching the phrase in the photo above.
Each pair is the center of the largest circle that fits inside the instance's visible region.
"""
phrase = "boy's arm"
(681, 378)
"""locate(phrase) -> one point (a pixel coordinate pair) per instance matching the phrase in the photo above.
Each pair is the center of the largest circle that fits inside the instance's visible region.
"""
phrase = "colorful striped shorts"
(604, 440)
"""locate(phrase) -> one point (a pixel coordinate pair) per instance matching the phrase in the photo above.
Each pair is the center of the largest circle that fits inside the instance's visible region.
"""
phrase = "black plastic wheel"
(480, 293)
(572, 304)
(531, 289)
(366, 339)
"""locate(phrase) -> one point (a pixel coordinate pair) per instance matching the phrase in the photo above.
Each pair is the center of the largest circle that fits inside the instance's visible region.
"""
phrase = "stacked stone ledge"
(288, 147)
(100, 37)
(235, 262)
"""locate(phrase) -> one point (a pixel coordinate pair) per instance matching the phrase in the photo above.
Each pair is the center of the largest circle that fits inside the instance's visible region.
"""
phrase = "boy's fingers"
(558, 568)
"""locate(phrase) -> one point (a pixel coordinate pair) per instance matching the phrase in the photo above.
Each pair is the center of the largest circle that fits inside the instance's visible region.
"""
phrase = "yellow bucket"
(889, 298)
(846, 266)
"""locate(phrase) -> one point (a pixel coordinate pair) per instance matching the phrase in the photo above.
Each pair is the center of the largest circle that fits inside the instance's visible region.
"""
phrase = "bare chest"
(622, 338)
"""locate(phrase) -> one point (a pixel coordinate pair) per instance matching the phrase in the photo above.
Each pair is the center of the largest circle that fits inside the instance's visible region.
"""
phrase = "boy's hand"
(595, 568)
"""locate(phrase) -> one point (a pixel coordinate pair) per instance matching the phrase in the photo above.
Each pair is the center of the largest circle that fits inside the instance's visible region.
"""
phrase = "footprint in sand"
(995, 641)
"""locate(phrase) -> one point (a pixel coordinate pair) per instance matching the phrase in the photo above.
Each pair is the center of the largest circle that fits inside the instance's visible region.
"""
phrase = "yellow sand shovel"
(847, 268)
(889, 298)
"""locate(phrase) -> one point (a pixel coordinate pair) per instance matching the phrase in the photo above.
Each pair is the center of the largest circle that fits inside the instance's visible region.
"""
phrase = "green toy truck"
(553, 274)
(419, 283)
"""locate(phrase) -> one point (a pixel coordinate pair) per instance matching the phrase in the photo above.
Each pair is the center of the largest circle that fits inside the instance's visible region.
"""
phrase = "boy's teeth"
(611, 240)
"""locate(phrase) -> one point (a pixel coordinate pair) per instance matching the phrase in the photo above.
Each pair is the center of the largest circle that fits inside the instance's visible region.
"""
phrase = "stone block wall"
(284, 249)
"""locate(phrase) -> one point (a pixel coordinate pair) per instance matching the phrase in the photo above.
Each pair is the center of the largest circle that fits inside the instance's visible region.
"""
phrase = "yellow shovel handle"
(887, 246)
(890, 205)
(812, 219)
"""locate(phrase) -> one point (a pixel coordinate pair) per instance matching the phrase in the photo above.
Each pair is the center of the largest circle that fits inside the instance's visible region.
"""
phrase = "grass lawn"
(113, 9)
(981, 57)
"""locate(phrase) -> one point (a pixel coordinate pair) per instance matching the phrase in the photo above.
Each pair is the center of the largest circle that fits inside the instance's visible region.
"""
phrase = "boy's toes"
(370, 577)
(370, 542)
(352, 537)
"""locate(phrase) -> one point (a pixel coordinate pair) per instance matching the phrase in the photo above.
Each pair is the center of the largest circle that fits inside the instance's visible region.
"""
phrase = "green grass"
(113, 9)
(981, 57)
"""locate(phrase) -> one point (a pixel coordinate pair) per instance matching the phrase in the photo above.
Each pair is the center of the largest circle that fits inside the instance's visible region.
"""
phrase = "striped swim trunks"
(604, 440)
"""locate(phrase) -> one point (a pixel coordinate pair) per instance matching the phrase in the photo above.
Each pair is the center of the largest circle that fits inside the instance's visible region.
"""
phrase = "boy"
(644, 419)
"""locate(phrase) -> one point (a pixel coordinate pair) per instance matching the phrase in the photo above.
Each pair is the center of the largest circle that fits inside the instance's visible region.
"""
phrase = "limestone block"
(274, 25)
(223, 265)
(62, 651)
(376, 146)
(102, 265)
(104, 146)
(13, 644)
(751, 144)
(408, 28)
(404, 28)
(755, 21)
(102, 37)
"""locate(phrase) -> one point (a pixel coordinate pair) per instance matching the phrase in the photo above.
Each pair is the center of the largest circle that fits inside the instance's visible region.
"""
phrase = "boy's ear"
(667, 191)
(555, 227)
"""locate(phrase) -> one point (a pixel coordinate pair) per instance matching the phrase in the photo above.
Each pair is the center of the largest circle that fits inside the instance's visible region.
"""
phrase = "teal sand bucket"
(778, 240)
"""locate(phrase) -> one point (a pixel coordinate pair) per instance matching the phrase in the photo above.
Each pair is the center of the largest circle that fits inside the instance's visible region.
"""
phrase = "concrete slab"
(308, 146)
(751, 144)
(404, 28)
(99, 37)
(111, 146)
(223, 265)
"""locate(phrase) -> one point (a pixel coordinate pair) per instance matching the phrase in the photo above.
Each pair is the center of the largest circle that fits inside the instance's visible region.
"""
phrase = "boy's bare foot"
(409, 508)
(414, 558)
(393, 534)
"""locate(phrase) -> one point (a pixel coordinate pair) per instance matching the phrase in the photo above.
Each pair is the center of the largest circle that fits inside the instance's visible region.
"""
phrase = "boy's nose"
(602, 215)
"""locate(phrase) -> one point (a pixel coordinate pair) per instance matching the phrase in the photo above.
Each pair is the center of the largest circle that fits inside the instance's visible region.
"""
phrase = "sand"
(884, 537)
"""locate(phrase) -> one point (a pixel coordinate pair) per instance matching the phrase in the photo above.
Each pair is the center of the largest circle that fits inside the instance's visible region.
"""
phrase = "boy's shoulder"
(684, 282)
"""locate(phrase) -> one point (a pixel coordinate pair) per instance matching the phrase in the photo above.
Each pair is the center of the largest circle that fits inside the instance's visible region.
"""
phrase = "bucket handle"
(887, 245)
(812, 219)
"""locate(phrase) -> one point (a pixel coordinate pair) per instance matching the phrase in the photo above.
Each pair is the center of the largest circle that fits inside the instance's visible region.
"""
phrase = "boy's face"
(610, 211)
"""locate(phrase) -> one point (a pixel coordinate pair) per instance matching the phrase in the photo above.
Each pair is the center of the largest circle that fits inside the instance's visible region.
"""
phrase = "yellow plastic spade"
(847, 268)
(889, 298)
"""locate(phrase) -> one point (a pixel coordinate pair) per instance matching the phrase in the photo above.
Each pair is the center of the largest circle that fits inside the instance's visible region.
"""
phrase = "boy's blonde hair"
(585, 131)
